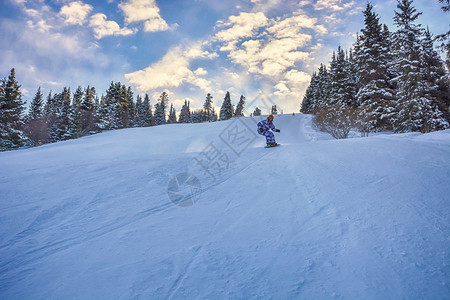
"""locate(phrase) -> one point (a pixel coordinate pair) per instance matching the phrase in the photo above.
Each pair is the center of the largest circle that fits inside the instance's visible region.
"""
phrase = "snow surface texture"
(362, 218)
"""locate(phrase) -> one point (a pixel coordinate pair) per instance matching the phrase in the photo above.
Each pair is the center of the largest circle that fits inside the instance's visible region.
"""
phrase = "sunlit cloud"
(75, 13)
(241, 26)
(333, 5)
(145, 11)
(103, 27)
(267, 46)
(173, 70)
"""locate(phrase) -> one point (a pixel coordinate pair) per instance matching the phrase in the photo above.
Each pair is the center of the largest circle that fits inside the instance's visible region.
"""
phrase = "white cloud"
(266, 5)
(172, 70)
(304, 3)
(200, 72)
(334, 5)
(242, 26)
(196, 51)
(102, 27)
(40, 25)
(291, 26)
(268, 46)
(58, 54)
(146, 11)
(75, 13)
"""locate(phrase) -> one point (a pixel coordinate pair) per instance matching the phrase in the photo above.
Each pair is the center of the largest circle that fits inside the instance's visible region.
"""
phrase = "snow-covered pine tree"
(256, 112)
(338, 111)
(36, 128)
(414, 110)
(352, 80)
(308, 100)
(375, 96)
(322, 90)
(77, 97)
(49, 106)
(444, 38)
(101, 115)
(160, 109)
(318, 91)
(197, 116)
(341, 81)
(214, 116)
(88, 101)
(185, 113)
(131, 106)
(207, 108)
(50, 114)
(438, 82)
(11, 109)
(138, 112)
(87, 111)
(240, 107)
(274, 110)
(59, 121)
(112, 107)
(172, 115)
(226, 111)
(123, 105)
(37, 105)
(147, 118)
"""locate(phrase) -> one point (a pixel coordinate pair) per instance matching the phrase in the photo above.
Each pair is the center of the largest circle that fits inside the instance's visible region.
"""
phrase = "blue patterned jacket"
(264, 126)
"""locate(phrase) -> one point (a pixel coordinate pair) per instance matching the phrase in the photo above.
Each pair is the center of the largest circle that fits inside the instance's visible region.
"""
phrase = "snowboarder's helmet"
(270, 118)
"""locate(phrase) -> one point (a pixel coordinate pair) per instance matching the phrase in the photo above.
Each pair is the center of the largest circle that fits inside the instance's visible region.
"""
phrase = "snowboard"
(272, 146)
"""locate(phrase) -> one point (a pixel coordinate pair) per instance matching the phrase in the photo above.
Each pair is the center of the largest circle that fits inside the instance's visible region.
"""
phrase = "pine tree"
(57, 119)
(172, 115)
(256, 112)
(147, 115)
(88, 101)
(78, 97)
(88, 121)
(207, 108)
(11, 109)
(185, 113)
(240, 107)
(318, 92)
(226, 111)
(274, 110)
(214, 117)
(131, 107)
(352, 87)
(322, 88)
(341, 83)
(437, 80)
(123, 101)
(138, 112)
(36, 106)
(414, 109)
(49, 107)
(444, 38)
(309, 99)
(160, 109)
(101, 115)
(36, 127)
(112, 107)
(197, 116)
(375, 96)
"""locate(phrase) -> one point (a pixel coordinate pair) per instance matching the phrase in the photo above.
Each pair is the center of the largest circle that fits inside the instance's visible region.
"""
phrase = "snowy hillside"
(362, 218)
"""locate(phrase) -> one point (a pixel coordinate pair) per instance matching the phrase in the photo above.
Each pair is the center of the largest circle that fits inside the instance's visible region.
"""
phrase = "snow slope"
(364, 218)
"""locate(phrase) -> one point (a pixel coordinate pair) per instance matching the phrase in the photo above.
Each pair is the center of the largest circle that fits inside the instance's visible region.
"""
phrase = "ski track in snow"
(315, 218)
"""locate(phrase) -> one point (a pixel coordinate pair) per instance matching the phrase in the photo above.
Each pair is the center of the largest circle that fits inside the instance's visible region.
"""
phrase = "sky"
(262, 49)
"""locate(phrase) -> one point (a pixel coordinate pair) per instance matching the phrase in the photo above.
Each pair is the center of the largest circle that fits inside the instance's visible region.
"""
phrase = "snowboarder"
(264, 128)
